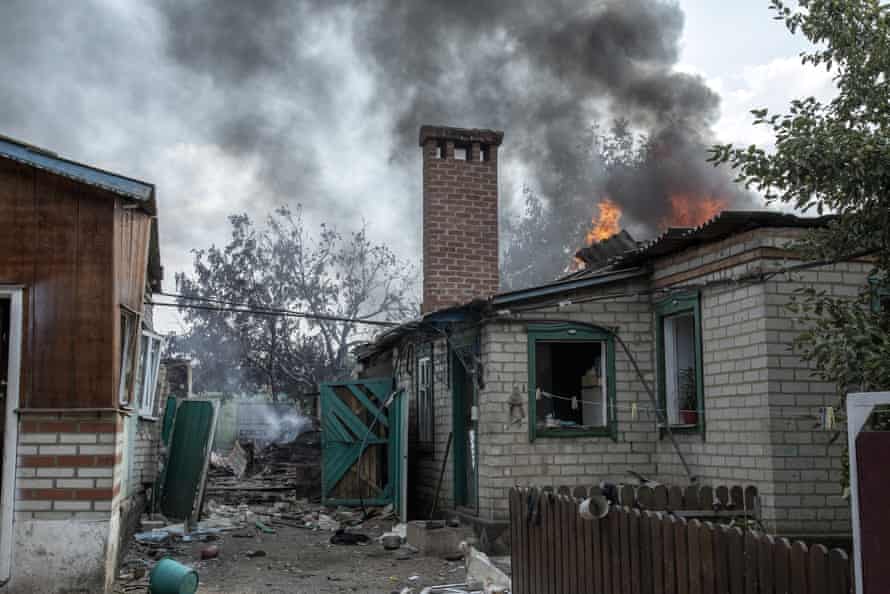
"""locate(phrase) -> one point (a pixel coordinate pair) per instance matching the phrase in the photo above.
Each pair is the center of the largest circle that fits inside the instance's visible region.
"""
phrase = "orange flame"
(691, 211)
(605, 223)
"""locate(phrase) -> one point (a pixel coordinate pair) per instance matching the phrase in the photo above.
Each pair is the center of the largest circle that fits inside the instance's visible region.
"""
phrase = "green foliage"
(834, 158)
(282, 266)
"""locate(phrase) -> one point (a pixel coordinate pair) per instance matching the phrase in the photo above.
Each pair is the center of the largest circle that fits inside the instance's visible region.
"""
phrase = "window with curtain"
(680, 361)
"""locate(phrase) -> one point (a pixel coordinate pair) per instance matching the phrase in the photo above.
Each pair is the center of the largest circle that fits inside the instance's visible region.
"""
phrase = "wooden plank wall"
(633, 551)
(58, 242)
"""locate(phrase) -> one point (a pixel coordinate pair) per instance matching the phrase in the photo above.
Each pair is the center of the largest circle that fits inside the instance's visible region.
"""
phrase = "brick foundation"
(66, 465)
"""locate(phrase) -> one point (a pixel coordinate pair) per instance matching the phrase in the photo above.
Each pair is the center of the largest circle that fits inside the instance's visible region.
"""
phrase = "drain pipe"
(662, 417)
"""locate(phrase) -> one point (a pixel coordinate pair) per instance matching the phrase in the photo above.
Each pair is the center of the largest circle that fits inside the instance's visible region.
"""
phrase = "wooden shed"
(78, 257)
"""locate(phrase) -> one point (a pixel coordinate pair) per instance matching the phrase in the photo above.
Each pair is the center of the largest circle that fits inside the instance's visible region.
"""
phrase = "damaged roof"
(602, 252)
(728, 222)
(616, 261)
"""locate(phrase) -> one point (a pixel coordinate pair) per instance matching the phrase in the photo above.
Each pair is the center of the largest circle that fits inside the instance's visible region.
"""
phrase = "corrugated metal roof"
(49, 161)
(728, 222)
(569, 283)
(602, 252)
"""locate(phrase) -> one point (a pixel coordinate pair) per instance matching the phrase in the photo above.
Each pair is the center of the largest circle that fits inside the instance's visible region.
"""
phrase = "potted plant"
(688, 397)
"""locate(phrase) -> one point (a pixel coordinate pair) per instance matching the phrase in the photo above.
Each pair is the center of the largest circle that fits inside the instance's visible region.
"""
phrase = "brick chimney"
(460, 215)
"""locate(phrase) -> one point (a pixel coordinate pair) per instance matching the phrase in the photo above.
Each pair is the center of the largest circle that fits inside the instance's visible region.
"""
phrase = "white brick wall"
(760, 398)
(508, 458)
(425, 465)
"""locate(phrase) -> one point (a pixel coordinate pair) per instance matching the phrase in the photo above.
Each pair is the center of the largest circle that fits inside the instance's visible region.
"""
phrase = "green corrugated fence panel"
(167, 424)
(191, 433)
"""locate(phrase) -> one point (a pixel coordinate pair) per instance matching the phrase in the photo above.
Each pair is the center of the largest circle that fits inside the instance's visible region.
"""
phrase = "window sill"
(560, 432)
(680, 429)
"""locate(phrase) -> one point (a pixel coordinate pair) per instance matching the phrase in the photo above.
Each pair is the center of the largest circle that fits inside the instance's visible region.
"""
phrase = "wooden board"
(62, 247)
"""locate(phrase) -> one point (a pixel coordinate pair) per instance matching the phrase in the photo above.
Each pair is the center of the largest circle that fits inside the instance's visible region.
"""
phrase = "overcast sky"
(230, 106)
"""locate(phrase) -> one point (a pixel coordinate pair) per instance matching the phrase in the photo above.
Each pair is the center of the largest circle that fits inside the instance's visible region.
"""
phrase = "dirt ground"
(299, 560)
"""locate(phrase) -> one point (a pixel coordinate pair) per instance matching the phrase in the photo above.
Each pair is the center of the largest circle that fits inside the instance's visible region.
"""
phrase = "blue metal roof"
(51, 162)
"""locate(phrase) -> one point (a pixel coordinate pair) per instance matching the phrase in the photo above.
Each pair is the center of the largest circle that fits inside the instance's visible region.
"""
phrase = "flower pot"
(688, 417)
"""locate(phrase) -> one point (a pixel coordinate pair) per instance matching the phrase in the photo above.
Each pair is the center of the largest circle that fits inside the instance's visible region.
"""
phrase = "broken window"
(148, 373)
(571, 373)
(679, 361)
(128, 344)
(425, 415)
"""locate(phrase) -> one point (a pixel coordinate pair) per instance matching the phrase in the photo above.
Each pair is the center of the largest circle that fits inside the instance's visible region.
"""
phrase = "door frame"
(459, 378)
(10, 434)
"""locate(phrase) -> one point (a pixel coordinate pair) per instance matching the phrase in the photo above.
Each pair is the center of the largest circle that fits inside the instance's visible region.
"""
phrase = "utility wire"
(275, 312)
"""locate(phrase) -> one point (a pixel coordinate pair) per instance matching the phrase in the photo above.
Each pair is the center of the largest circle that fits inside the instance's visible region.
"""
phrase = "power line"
(285, 313)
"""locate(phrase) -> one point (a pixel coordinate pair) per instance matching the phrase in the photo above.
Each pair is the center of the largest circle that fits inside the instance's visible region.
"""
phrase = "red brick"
(58, 427)
(38, 461)
(98, 427)
(30, 427)
(93, 494)
(460, 226)
(46, 494)
(84, 461)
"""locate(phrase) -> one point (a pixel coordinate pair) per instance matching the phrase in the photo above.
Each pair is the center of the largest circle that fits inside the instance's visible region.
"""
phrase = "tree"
(834, 157)
(282, 267)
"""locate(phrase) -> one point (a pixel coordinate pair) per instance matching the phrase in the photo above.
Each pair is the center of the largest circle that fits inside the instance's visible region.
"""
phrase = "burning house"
(669, 358)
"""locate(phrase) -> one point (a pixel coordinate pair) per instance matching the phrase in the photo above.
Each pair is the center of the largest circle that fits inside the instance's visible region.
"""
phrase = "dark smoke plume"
(543, 72)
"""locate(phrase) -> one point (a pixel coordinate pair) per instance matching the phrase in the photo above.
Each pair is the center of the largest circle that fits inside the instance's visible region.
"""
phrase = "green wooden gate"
(363, 425)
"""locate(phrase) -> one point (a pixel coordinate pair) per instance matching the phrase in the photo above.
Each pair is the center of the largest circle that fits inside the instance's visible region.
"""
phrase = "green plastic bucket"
(172, 577)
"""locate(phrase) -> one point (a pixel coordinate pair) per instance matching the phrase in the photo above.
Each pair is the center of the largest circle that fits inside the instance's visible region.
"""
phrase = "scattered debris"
(481, 569)
(341, 537)
(271, 473)
(210, 552)
(257, 553)
(235, 461)
(391, 541)
(263, 528)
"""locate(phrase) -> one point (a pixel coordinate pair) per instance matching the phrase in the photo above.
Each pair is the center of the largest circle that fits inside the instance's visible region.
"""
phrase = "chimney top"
(467, 135)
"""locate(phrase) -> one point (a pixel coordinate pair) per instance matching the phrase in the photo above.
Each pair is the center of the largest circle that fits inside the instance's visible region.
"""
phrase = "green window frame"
(879, 293)
(671, 306)
(568, 333)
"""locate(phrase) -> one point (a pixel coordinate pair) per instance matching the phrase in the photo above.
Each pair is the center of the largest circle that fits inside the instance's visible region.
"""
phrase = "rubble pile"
(263, 474)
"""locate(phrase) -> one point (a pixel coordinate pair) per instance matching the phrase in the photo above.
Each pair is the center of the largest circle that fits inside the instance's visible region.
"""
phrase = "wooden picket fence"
(633, 551)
